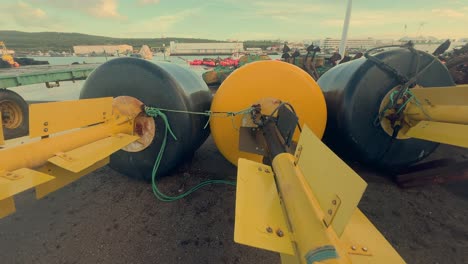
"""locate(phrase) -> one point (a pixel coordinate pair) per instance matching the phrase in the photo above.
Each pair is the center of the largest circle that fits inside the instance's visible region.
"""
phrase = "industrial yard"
(300, 132)
(108, 218)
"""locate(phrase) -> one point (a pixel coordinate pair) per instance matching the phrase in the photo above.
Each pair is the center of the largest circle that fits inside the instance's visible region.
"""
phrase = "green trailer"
(13, 108)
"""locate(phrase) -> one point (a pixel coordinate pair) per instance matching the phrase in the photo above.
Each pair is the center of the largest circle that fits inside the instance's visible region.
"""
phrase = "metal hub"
(12, 115)
(390, 118)
(144, 126)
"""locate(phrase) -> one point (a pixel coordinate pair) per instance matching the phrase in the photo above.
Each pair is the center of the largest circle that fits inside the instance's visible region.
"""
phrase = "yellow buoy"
(259, 83)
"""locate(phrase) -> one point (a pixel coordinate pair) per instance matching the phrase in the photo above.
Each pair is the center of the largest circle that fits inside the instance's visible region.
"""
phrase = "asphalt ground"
(106, 217)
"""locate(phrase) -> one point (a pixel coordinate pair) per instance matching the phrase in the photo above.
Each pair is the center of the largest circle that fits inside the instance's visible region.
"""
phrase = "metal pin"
(269, 230)
(46, 123)
(259, 169)
(334, 202)
(353, 247)
(364, 249)
(330, 212)
(45, 129)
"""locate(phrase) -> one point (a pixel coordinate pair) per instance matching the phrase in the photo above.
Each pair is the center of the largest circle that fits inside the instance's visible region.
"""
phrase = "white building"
(8, 51)
(332, 43)
(220, 48)
(99, 49)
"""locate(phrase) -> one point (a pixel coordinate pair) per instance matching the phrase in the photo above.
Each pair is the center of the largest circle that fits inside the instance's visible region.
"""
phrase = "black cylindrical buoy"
(354, 92)
(162, 85)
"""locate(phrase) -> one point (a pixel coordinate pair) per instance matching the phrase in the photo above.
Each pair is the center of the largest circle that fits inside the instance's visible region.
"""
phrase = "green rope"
(159, 112)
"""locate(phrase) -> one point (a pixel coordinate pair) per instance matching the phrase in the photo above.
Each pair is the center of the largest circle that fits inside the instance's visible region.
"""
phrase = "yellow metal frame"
(101, 127)
(301, 196)
(439, 114)
(2, 138)
(50, 118)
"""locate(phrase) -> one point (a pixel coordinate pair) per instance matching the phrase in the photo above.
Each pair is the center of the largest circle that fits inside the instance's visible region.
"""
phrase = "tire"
(15, 114)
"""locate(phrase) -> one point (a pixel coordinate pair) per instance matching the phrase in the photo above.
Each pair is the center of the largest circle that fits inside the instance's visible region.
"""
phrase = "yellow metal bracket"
(330, 179)
(447, 133)
(355, 249)
(63, 177)
(259, 218)
(83, 157)
(10, 175)
(49, 118)
(2, 139)
(12, 183)
(331, 211)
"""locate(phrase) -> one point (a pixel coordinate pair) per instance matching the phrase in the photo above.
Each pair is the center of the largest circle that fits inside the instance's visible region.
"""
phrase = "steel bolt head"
(334, 202)
(45, 129)
(269, 230)
(46, 123)
(279, 233)
(353, 247)
(330, 212)
(364, 249)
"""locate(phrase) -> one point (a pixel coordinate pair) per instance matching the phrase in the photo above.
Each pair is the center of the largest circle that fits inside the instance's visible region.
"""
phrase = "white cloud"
(447, 13)
(148, 2)
(28, 16)
(286, 9)
(105, 9)
(159, 24)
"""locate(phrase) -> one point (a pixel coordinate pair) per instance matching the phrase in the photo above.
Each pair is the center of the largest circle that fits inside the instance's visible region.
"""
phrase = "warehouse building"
(220, 48)
(333, 44)
(100, 49)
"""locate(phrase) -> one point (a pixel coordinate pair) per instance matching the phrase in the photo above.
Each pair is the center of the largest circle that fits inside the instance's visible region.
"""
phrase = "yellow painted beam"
(336, 186)
(259, 217)
(7, 207)
(37, 153)
(286, 198)
(63, 177)
(85, 156)
(452, 95)
(12, 183)
(2, 138)
(49, 118)
(446, 104)
(447, 133)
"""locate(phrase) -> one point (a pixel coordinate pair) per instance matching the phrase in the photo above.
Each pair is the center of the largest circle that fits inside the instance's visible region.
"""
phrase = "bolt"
(364, 249)
(330, 212)
(334, 202)
(279, 233)
(45, 129)
(46, 123)
(259, 169)
(269, 230)
(267, 170)
(353, 247)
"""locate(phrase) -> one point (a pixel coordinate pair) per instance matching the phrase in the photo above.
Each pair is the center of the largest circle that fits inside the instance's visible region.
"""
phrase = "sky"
(238, 19)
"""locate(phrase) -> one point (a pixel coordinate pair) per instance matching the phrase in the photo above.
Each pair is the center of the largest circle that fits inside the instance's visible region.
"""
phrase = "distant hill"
(58, 41)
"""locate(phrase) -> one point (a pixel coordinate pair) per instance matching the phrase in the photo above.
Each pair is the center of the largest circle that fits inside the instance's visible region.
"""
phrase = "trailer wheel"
(15, 116)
